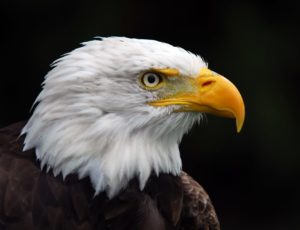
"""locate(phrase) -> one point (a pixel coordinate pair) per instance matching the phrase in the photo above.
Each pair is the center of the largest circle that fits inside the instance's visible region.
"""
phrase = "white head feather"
(92, 117)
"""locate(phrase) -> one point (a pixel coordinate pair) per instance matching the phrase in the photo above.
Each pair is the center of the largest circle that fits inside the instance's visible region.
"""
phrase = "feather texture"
(34, 199)
(93, 118)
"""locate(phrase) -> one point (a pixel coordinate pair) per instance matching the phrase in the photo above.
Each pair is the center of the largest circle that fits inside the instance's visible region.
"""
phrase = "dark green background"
(252, 177)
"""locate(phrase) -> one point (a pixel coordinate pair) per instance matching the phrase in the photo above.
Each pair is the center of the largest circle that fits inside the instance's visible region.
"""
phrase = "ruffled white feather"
(92, 118)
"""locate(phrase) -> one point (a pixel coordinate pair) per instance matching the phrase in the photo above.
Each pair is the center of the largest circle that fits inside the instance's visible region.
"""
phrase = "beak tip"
(239, 124)
(238, 129)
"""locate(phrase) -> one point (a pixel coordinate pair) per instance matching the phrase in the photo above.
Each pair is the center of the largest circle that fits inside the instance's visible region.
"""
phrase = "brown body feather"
(30, 198)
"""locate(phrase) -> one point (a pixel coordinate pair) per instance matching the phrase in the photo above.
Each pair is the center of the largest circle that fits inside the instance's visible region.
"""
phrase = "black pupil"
(151, 79)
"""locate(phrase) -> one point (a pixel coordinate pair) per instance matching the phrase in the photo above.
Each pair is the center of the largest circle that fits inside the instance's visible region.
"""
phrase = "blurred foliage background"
(252, 177)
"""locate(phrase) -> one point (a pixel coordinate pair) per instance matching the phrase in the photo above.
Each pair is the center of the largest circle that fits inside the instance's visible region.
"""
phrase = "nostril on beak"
(207, 83)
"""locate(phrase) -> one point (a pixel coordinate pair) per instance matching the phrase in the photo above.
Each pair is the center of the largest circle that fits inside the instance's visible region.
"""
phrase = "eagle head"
(117, 108)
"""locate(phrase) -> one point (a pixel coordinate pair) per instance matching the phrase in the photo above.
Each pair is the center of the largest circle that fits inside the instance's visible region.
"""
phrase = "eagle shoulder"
(30, 198)
(198, 211)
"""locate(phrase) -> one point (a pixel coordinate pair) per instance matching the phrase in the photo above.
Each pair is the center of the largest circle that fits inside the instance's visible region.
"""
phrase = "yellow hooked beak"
(213, 94)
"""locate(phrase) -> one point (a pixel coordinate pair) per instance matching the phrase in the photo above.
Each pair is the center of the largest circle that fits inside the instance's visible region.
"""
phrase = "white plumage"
(92, 116)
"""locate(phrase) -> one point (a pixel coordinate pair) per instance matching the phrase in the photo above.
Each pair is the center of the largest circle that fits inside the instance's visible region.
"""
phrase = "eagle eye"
(151, 80)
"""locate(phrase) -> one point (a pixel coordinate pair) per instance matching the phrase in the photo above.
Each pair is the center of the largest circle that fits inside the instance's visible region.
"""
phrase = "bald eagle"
(100, 150)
